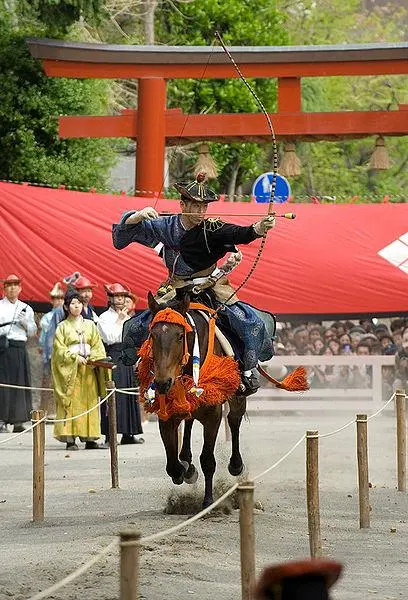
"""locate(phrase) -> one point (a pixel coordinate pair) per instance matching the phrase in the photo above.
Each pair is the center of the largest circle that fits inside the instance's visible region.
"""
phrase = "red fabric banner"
(339, 259)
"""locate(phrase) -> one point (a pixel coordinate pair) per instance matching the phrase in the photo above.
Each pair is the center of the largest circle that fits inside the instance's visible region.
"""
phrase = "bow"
(275, 158)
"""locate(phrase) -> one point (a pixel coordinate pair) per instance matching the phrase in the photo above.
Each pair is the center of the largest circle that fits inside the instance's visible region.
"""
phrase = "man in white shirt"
(16, 325)
(110, 325)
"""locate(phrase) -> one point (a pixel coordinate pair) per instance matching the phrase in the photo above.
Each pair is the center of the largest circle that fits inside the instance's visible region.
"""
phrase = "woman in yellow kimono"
(77, 384)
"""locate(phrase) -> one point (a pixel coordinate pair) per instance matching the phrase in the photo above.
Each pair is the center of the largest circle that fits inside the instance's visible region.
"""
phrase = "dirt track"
(202, 561)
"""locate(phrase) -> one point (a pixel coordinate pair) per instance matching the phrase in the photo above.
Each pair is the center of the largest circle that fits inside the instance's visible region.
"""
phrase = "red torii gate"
(154, 126)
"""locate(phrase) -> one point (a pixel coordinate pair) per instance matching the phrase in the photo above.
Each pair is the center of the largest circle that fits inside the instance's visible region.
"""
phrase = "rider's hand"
(81, 360)
(265, 225)
(146, 214)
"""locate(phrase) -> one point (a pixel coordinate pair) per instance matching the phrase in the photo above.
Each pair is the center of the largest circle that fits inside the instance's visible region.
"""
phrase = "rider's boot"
(249, 383)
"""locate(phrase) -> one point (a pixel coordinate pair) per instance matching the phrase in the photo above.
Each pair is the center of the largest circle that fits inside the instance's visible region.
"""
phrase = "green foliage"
(30, 102)
(59, 15)
(341, 168)
(240, 24)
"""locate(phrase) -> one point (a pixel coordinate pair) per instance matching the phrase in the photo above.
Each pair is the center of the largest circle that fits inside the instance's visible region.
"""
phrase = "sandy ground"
(202, 561)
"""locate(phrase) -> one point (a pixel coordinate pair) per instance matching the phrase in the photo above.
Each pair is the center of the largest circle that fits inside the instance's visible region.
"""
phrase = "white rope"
(322, 435)
(35, 423)
(84, 413)
(278, 462)
(25, 387)
(382, 408)
(75, 574)
(16, 435)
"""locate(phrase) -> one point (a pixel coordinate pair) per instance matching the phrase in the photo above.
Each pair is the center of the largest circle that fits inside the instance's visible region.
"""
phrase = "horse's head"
(168, 342)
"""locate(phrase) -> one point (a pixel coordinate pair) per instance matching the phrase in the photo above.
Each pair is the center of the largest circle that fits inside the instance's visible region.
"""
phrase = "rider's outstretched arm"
(143, 227)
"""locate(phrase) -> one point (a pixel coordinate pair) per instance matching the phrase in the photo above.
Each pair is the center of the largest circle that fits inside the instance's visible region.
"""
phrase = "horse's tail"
(294, 382)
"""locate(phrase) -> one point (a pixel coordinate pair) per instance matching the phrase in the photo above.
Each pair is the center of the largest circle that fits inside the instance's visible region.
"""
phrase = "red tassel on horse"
(294, 382)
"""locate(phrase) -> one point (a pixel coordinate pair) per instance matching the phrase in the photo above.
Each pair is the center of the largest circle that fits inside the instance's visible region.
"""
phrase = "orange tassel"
(294, 382)
(162, 412)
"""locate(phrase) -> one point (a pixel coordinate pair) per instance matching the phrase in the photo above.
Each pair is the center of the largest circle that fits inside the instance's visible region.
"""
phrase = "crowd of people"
(73, 341)
(78, 348)
(360, 338)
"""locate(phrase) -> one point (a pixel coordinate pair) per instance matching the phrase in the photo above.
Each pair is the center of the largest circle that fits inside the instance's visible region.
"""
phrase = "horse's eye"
(181, 336)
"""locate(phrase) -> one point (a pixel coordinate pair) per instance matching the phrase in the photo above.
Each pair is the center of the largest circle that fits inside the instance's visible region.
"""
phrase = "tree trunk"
(148, 10)
(232, 182)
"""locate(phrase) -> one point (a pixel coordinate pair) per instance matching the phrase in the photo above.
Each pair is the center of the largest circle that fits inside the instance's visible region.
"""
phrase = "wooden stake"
(129, 565)
(312, 492)
(38, 466)
(401, 440)
(113, 434)
(362, 461)
(247, 538)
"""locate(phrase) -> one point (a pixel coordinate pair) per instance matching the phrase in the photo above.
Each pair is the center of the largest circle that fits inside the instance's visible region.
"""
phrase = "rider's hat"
(196, 190)
(308, 579)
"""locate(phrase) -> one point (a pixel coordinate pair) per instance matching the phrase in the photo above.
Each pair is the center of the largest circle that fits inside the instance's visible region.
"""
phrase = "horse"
(168, 347)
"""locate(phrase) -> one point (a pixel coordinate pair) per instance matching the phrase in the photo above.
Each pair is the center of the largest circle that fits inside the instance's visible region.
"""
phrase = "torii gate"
(154, 127)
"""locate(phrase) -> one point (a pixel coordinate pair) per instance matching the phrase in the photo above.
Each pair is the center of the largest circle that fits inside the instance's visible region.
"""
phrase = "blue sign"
(262, 188)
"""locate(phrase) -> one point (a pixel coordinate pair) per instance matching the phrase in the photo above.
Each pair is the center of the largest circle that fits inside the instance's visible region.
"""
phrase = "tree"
(30, 102)
(240, 23)
(341, 169)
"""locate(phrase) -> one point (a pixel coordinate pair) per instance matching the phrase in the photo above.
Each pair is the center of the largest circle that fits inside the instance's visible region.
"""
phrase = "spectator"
(356, 333)
(85, 289)
(16, 325)
(77, 384)
(334, 345)
(73, 282)
(401, 369)
(47, 398)
(300, 338)
(318, 345)
(130, 303)
(110, 326)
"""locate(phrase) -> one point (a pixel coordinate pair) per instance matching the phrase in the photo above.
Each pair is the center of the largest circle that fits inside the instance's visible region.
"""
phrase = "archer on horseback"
(191, 245)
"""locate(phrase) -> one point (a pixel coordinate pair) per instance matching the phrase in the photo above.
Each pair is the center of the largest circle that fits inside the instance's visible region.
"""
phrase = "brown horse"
(167, 354)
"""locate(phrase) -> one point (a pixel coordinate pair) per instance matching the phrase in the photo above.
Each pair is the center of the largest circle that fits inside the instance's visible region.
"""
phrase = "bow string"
(275, 157)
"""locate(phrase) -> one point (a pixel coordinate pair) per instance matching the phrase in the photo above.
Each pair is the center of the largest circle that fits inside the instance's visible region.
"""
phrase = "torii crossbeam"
(154, 126)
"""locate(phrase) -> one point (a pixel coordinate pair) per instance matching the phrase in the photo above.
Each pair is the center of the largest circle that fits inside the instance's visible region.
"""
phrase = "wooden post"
(312, 492)
(129, 565)
(247, 538)
(113, 434)
(401, 440)
(362, 461)
(38, 466)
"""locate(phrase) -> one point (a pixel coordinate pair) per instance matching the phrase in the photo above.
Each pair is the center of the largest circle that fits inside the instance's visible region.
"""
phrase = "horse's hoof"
(236, 470)
(191, 476)
(178, 480)
(185, 464)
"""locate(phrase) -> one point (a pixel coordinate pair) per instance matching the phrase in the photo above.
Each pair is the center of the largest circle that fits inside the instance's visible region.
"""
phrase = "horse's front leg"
(191, 474)
(237, 411)
(211, 424)
(168, 431)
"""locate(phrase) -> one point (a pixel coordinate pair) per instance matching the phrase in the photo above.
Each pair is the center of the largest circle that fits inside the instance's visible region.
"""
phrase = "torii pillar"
(151, 138)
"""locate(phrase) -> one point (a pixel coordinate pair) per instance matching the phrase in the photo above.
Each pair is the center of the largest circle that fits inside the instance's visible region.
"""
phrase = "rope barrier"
(16, 435)
(75, 574)
(382, 408)
(13, 437)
